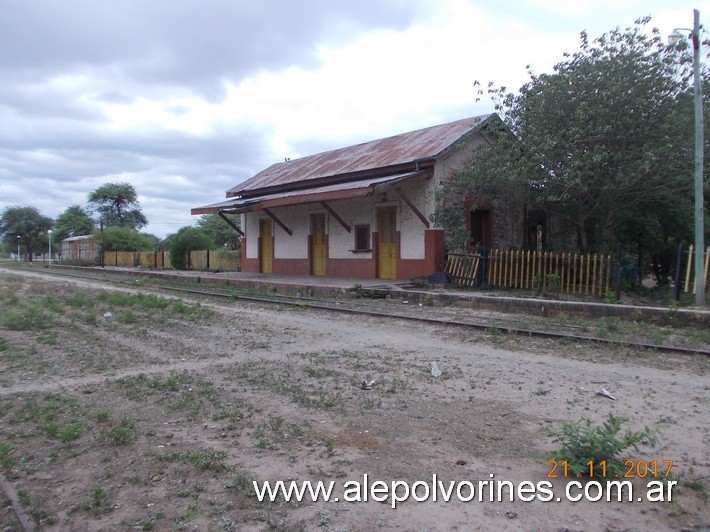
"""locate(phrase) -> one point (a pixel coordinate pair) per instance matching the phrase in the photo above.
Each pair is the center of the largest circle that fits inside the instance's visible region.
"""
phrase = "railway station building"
(362, 211)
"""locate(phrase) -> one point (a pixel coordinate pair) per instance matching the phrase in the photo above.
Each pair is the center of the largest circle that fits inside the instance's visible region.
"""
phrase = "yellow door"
(318, 244)
(387, 243)
(266, 245)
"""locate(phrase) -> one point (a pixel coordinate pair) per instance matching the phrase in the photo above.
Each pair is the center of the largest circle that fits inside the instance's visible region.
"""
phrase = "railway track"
(449, 317)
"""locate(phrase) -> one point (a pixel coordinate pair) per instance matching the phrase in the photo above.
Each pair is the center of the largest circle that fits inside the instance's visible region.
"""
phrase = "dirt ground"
(121, 410)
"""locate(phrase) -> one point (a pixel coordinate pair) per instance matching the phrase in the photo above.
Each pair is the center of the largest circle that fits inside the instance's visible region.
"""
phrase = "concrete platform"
(267, 282)
(436, 295)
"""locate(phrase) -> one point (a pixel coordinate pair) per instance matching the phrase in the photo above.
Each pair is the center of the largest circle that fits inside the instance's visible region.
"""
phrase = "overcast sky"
(185, 99)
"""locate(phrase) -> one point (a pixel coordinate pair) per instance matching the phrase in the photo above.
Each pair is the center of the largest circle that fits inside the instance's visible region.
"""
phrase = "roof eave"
(416, 165)
(242, 205)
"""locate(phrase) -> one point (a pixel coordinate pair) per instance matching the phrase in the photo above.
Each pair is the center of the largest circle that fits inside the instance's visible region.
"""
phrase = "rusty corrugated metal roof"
(361, 187)
(214, 208)
(400, 149)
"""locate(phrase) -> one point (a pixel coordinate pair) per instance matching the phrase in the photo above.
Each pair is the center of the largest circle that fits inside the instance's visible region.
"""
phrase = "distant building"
(80, 249)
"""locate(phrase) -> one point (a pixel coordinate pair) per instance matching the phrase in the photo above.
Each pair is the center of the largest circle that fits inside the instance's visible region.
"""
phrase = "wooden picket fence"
(573, 273)
(201, 260)
(206, 260)
(158, 260)
(688, 272)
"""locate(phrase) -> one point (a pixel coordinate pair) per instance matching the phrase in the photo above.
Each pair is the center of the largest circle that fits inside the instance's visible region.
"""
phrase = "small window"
(362, 238)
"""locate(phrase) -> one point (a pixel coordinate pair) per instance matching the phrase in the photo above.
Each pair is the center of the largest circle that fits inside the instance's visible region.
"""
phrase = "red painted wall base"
(359, 268)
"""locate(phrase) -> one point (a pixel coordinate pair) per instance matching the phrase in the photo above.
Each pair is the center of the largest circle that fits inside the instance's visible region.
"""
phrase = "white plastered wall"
(353, 212)
(294, 246)
(357, 211)
(250, 226)
(411, 228)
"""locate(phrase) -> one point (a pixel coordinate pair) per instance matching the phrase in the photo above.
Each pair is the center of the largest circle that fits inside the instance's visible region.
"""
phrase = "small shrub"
(205, 459)
(172, 383)
(80, 300)
(233, 415)
(6, 459)
(696, 485)
(553, 282)
(89, 318)
(120, 435)
(208, 460)
(50, 427)
(276, 422)
(610, 297)
(26, 318)
(98, 501)
(127, 317)
(102, 416)
(585, 445)
(179, 307)
(70, 431)
(329, 444)
(124, 434)
(50, 302)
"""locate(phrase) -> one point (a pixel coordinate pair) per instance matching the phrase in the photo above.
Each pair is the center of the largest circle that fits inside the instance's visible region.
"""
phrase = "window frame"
(368, 236)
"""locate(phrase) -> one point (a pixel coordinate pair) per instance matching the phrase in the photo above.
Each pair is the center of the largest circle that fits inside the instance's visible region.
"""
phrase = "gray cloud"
(177, 43)
(60, 59)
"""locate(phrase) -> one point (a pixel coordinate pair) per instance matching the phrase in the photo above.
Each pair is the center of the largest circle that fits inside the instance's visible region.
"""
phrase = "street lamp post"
(699, 202)
(18, 248)
(49, 232)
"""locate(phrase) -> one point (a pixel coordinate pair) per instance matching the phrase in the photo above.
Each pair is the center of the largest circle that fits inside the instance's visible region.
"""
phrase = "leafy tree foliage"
(74, 221)
(185, 240)
(221, 233)
(604, 144)
(118, 206)
(125, 239)
(164, 244)
(28, 224)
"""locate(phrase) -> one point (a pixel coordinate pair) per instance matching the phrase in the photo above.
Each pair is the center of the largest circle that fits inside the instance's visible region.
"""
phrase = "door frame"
(264, 243)
(312, 244)
(381, 255)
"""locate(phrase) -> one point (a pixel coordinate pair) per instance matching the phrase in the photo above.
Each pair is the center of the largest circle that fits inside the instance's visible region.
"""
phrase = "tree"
(221, 233)
(185, 240)
(25, 225)
(125, 239)
(74, 221)
(602, 141)
(118, 206)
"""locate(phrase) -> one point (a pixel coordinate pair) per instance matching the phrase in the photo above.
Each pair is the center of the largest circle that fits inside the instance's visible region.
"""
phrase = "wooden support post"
(279, 222)
(411, 205)
(231, 223)
(335, 215)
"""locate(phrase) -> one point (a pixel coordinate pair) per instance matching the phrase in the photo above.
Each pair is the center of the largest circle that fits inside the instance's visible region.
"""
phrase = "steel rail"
(301, 301)
(453, 323)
